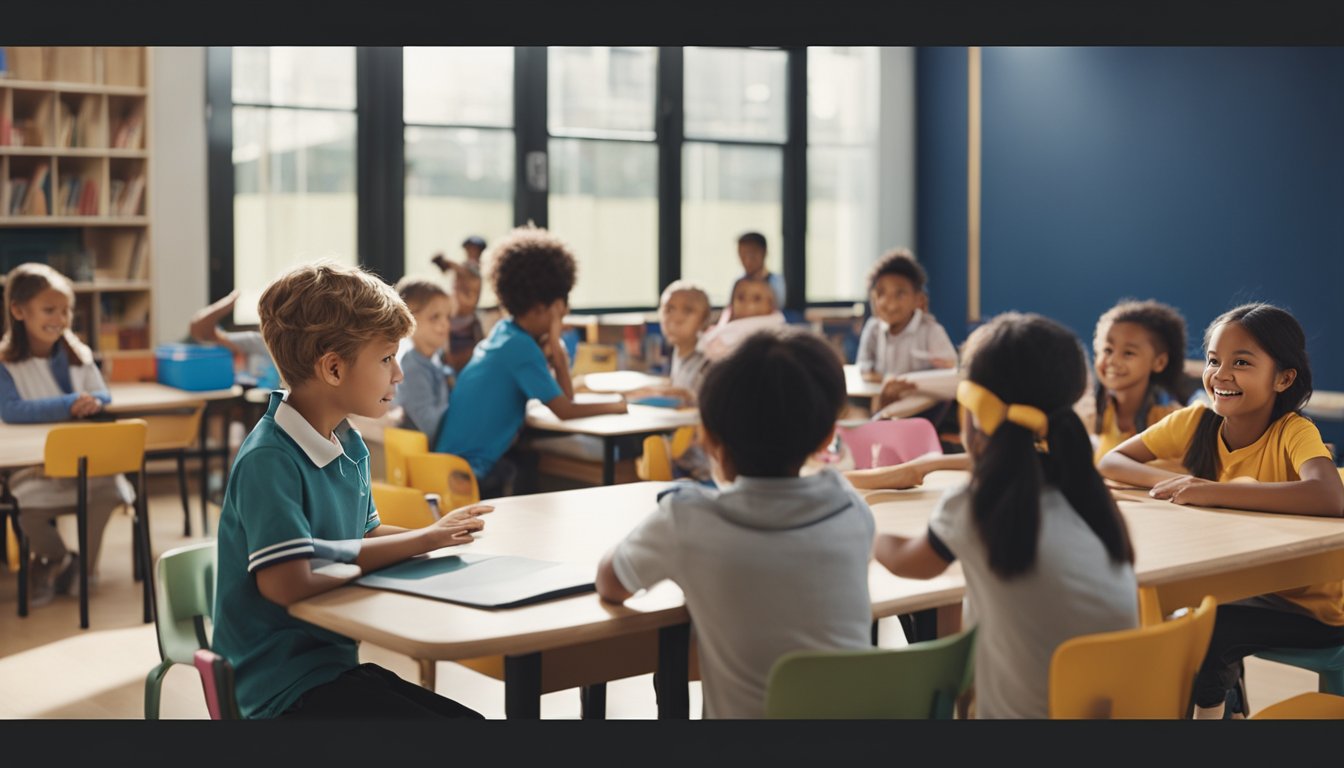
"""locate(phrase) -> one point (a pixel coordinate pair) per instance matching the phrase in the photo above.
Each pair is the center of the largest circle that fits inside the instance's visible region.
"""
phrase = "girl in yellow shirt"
(1252, 450)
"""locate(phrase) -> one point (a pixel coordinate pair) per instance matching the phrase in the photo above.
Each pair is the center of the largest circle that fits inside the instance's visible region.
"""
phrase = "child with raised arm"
(299, 498)
(47, 375)
(752, 308)
(423, 394)
(773, 562)
(1252, 449)
(465, 328)
(522, 358)
(1044, 549)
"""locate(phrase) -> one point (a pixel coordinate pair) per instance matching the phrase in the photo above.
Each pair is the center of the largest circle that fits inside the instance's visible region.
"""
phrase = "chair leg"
(182, 488)
(23, 563)
(154, 689)
(147, 553)
(82, 518)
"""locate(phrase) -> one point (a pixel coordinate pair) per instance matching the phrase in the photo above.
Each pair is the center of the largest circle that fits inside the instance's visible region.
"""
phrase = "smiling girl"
(1252, 450)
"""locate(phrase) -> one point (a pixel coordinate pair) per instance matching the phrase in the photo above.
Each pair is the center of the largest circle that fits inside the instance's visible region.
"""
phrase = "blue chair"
(1327, 663)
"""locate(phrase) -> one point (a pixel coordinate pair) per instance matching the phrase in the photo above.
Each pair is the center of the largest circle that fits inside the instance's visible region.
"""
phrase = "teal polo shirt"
(490, 398)
(292, 494)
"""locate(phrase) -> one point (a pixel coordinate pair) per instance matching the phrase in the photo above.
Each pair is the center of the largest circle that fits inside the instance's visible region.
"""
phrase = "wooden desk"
(641, 420)
(573, 641)
(933, 389)
(1325, 405)
(621, 381)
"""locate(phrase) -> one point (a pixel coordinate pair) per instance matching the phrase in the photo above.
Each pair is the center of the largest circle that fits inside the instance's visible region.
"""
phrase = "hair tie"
(990, 411)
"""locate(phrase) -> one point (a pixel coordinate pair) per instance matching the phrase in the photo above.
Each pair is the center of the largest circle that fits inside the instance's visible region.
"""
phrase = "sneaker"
(67, 581)
(41, 582)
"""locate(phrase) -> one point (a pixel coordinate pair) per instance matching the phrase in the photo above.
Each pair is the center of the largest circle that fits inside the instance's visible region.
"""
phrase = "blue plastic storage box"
(195, 368)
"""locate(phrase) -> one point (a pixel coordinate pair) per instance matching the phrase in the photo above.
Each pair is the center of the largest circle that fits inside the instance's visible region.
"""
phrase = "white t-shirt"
(34, 380)
(913, 349)
(768, 566)
(1073, 589)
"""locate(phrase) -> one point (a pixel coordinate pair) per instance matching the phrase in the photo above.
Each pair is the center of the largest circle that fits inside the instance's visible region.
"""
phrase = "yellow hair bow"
(990, 411)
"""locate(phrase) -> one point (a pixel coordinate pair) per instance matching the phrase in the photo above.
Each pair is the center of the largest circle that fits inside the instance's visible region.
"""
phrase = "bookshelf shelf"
(74, 183)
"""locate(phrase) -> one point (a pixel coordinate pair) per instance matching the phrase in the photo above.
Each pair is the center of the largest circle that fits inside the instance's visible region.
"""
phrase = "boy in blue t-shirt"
(299, 502)
(522, 358)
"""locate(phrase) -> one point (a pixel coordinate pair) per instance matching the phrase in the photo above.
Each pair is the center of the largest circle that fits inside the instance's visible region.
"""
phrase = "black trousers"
(1240, 630)
(369, 691)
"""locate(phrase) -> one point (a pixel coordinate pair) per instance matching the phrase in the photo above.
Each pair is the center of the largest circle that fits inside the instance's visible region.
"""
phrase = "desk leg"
(920, 625)
(672, 681)
(608, 460)
(522, 687)
(593, 701)
(428, 673)
(205, 470)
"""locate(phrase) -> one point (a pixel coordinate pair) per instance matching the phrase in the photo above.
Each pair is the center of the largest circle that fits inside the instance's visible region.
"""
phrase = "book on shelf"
(65, 125)
(86, 124)
(39, 191)
(128, 132)
(18, 189)
(131, 192)
(139, 250)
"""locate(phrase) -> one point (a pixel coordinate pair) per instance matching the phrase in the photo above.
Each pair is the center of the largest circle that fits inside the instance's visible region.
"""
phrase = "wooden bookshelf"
(74, 182)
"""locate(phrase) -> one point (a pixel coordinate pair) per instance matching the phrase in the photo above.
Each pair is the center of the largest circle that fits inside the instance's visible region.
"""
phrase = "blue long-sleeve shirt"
(423, 393)
(15, 409)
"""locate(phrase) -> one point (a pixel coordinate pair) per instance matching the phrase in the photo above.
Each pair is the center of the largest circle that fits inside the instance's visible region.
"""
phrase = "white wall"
(178, 188)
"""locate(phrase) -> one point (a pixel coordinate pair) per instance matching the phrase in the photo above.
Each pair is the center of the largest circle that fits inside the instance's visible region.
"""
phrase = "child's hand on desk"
(469, 512)
(450, 531)
(1186, 489)
(894, 389)
(85, 405)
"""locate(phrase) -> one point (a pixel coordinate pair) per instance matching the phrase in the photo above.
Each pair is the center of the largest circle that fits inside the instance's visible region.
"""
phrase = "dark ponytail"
(1031, 360)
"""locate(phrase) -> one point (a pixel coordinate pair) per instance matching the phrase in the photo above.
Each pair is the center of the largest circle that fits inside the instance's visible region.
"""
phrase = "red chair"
(890, 441)
(217, 680)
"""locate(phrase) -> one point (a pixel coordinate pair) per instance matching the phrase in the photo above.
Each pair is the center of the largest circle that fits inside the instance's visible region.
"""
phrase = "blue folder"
(482, 581)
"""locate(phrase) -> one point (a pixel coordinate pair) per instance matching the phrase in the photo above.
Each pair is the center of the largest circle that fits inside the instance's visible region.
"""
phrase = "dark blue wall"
(1201, 177)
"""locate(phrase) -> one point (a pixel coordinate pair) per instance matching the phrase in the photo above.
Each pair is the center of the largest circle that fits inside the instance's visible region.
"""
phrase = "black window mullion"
(380, 161)
(529, 121)
(669, 124)
(794, 204)
(219, 168)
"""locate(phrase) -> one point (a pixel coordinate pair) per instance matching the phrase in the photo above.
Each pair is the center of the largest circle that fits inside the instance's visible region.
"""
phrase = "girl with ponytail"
(1044, 550)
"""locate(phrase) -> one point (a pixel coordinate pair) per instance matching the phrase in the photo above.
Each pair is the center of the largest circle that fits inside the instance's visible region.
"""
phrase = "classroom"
(1006, 342)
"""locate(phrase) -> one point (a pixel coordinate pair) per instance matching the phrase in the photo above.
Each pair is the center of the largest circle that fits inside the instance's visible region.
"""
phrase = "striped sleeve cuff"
(940, 547)
(278, 553)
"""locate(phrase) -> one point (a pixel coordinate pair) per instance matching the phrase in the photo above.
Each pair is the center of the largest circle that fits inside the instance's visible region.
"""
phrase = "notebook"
(481, 580)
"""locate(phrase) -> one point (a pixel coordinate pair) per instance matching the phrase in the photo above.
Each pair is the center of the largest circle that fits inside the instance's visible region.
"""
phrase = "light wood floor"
(50, 668)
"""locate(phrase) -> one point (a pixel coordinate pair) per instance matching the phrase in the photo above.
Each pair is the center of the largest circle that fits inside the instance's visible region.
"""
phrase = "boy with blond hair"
(299, 504)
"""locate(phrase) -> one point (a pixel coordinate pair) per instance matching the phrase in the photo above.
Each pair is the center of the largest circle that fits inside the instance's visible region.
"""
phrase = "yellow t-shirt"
(1111, 436)
(1276, 457)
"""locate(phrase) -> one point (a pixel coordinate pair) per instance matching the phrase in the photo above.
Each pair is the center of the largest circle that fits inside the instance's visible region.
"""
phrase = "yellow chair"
(1147, 672)
(89, 450)
(410, 463)
(659, 451)
(593, 358)
(402, 507)
(171, 434)
(397, 445)
(1306, 706)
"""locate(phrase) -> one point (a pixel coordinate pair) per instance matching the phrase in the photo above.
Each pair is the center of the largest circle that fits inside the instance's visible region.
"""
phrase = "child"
(1139, 353)
(1045, 552)
(533, 273)
(683, 313)
(1251, 450)
(423, 395)
(473, 247)
(299, 497)
(900, 337)
(773, 562)
(751, 252)
(751, 309)
(245, 345)
(465, 330)
(49, 375)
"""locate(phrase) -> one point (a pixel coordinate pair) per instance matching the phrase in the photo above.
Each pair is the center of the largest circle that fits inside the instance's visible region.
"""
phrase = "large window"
(842, 184)
(604, 170)
(732, 161)
(459, 145)
(649, 162)
(293, 163)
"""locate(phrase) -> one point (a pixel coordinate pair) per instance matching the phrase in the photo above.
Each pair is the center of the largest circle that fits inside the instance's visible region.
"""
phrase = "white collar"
(910, 327)
(320, 450)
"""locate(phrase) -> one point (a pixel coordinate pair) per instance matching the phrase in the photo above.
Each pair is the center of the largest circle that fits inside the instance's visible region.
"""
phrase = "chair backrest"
(446, 474)
(403, 507)
(591, 358)
(217, 681)
(655, 464)
(896, 440)
(1147, 672)
(682, 440)
(184, 594)
(918, 681)
(111, 448)
(173, 430)
(397, 445)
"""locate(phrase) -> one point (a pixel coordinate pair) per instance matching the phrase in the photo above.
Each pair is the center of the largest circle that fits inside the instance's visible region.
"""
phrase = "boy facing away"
(772, 562)
(532, 274)
(299, 501)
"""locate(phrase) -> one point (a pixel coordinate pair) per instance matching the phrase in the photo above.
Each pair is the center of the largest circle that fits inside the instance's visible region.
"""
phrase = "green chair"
(184, 596)
(919, 681)
(1327, 663)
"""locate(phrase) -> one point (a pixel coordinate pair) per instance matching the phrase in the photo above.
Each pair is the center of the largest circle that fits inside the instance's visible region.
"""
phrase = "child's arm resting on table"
(1128, 463)
(1318, 493)
(908, 474)
(289, 581)
(919, 558)
(609, 586)
(564, 408)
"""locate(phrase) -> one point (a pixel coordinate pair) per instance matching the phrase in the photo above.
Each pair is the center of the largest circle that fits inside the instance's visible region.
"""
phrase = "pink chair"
(217, 680)
(890, 441)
